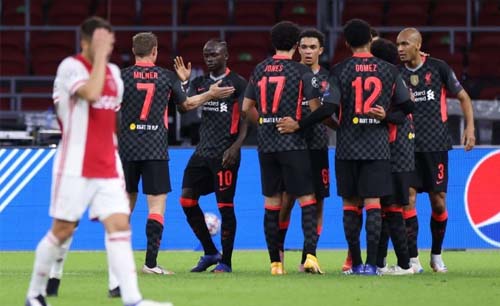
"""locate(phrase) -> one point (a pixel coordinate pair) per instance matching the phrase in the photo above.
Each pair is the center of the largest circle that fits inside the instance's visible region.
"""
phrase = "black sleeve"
(332, 93)
(178, 94)
(240, 87)
(395, 117)
(320, 114)
(449, 79)
(401, 93)
(250, 90)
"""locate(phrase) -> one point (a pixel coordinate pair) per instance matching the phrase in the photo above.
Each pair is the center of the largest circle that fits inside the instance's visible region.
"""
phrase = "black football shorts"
(288, 171)
(363, 178)
(154, 173)
(206, 175)
(400, 189)
(431, 172)
(321, 173)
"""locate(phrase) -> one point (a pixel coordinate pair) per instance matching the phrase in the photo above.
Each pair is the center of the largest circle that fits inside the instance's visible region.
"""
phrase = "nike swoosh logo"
(223, 188)
(439, 182)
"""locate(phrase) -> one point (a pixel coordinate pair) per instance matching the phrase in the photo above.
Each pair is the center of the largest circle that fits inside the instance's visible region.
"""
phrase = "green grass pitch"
(473, 279)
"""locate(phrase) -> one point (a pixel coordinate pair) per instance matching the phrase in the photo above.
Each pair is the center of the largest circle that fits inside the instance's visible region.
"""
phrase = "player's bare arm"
(377, 112)
(468, 138)
(183, 71)
(215, 92)
(232, 154)
(100, 47)
(248, 112)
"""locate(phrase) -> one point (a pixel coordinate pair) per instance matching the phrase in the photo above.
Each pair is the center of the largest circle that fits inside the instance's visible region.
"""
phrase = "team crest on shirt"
(414, 79)
(428, 78)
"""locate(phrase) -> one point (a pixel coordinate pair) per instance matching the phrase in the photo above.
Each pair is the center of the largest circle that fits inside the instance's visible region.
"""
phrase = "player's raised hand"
(220, 92)
(287, 125)
(468, 139)
(377, 112)
(102, 42)
(182, 71)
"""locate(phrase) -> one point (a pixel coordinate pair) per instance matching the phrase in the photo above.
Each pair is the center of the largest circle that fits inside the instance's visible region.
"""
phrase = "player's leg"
(156, 185)
(68, 202)
(57, 269)
(225, 180)
(383, 243)
(346, 178)
(272, 188)
(287, 204)
(110, 206)
(298, 180)
(410, 211)
(198, 180)
(375, 181)
(439, 217)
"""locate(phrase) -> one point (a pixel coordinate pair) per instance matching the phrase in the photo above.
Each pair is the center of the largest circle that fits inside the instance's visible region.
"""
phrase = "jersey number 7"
(150, 92)
(371, 84)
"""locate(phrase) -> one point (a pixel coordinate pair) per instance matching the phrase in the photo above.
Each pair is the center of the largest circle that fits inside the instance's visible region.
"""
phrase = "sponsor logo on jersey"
(481, 198)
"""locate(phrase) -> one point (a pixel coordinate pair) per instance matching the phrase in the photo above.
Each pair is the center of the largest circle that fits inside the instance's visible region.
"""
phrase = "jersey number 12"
(370, 84)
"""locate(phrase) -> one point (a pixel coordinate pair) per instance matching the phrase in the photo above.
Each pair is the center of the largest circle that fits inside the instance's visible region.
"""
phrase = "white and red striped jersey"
(88, 146)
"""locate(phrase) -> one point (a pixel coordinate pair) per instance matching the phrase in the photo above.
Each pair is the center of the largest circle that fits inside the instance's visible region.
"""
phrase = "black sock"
(271, 231)
(373, 227)
(283, 229)
(309, 228)
(383, 243)
(411, 222)
(196, 220)
(438, 230)
(352, 228)
(228, 231)
(397, 230)
(154, 231)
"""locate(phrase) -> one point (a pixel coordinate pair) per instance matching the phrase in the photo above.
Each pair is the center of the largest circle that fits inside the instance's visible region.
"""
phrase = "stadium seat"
(443, 40)
(123, 42)
(156, 12)
(39, 103)
(207, 13)
(254, 12)
(490, 93)
(244, 69)
(12, 53)
(13, 12)
(407, 14)
(121, 13)
(483, 41)
(301, 12)
(371, 11)
(62, 12)
(341, 52)
(49, 48)
(449, 13)
(483, 64)
(489, 14)
(239, 42)
(4, 102)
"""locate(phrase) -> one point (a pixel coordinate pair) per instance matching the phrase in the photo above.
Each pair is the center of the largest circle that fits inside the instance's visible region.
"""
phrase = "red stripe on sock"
(307, 203)
(221, 205)
(352, 208)
(393, 209)
(407, 214)
(271, 207)
(284, 224)
(319, 229)
(157, 217)
(185, 202)
(440, 217)
(372, 206)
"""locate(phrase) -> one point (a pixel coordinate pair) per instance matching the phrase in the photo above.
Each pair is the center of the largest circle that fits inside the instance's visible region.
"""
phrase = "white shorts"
(72, 195)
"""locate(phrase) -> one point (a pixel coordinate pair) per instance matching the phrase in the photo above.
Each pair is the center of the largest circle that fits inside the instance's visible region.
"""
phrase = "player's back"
(364, 81)
(144, 112)
(279, 85)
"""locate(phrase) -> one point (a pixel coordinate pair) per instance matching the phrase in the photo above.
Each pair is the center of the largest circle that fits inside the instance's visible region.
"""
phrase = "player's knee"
(188, 193)
(438, 202)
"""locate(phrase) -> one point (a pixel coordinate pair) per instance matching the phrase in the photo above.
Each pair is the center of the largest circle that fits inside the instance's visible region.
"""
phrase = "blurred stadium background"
(35, 35)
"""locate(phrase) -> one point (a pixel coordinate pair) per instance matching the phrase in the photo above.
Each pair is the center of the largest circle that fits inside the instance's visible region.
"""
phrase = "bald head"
(409, 42)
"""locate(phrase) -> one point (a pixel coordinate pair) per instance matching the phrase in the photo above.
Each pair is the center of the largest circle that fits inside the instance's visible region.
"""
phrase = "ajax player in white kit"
(87, 171)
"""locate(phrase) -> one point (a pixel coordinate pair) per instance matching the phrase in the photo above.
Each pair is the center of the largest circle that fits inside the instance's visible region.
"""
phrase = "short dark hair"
(218, 41)
(143, 43)
(386, 50)
(357, 33)
(90, 24)
(285, 35)
(374, 33)
(315, 34)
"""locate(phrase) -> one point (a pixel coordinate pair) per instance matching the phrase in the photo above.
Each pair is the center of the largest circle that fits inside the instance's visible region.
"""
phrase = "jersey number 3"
(150, 92)
(370, 84)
